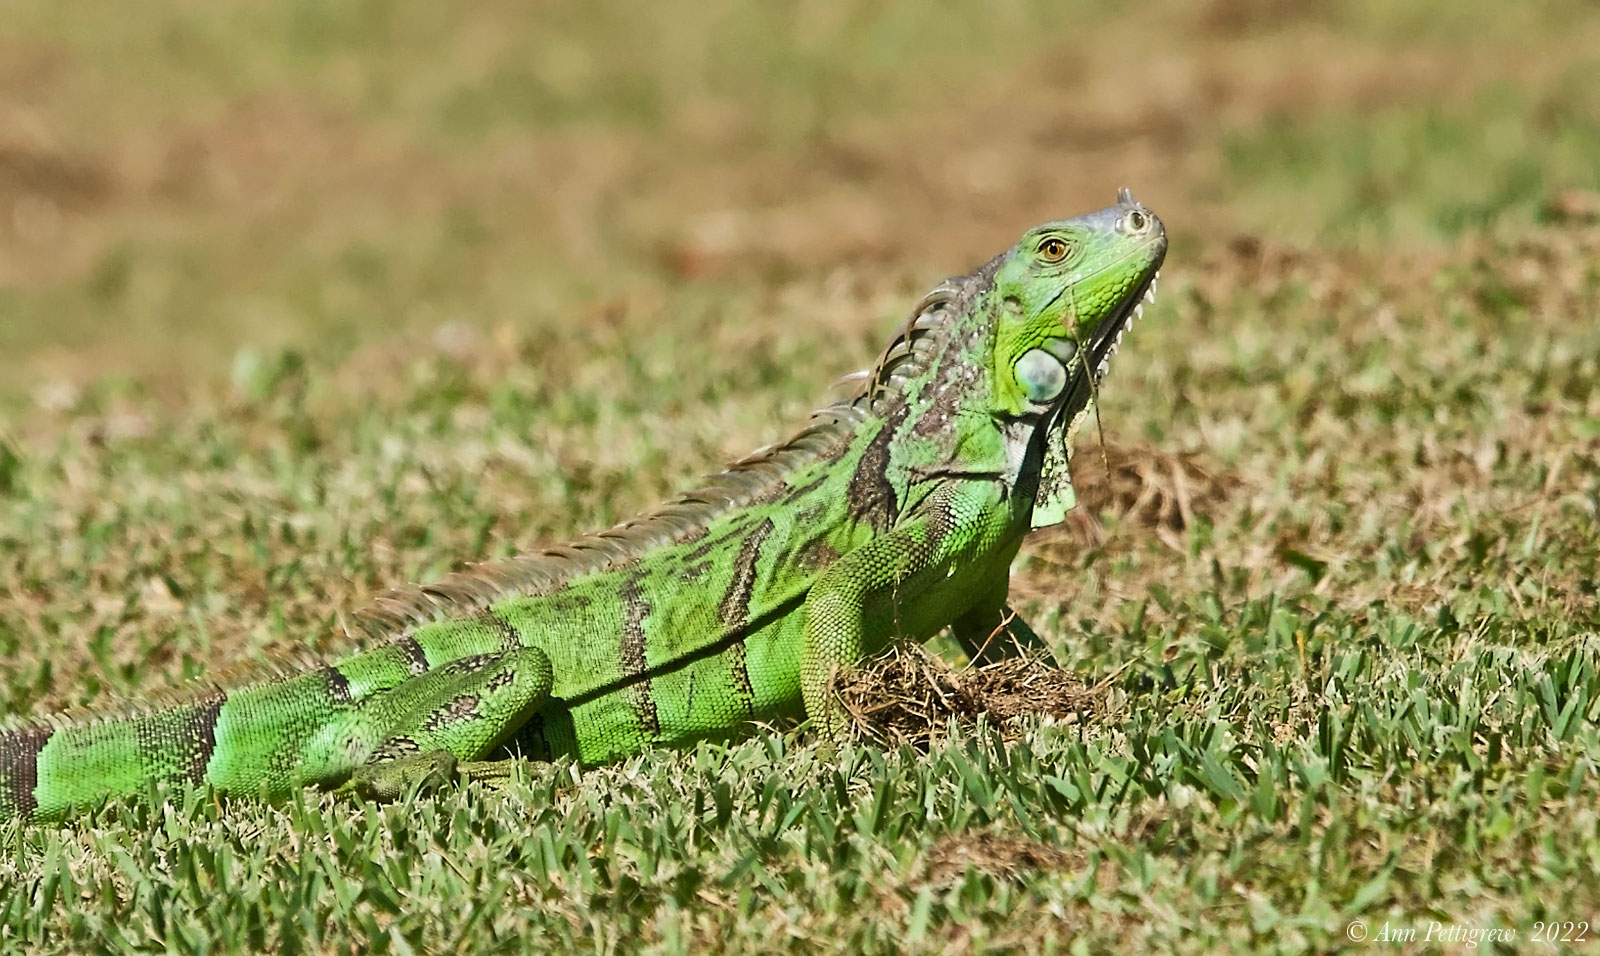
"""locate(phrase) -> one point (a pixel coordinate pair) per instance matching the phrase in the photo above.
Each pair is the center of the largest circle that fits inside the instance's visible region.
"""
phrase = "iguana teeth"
(1116, 343)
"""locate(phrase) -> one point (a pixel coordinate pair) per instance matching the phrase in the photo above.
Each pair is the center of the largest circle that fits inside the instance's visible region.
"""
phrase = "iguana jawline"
(1108, 337)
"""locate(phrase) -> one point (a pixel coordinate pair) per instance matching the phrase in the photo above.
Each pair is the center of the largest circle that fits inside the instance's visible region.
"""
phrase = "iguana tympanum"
(893, 514)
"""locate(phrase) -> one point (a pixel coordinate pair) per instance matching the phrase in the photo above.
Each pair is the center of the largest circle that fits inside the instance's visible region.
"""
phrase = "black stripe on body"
(471, 665)
(816, 554)
(705, 547)
(510, 640)
(394, 748)
(336, 685)
(734, 609)
(796, 494)
(462, 707)
(19, 767)
(777, 611)
(871, 498)
(943, 396)
(632, 655)
(739, 670)
(416, 657)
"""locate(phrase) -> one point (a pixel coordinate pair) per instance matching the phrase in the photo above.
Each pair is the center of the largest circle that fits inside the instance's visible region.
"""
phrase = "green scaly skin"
(895, 514)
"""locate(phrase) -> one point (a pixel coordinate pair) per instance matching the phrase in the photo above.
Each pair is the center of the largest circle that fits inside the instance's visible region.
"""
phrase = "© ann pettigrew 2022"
(894, 514)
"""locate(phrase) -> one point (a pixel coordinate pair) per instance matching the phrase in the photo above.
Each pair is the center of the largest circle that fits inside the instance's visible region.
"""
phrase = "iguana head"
(1067, 293)
(1065, 296)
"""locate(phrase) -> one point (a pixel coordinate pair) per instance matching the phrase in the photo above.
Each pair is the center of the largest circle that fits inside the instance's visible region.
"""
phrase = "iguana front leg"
(859, 604)
(417, 732)
(992, 631)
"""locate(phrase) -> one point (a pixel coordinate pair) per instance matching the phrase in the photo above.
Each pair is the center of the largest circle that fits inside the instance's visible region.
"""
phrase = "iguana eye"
(1054, 249)
(1136, 221)
(1041, 376)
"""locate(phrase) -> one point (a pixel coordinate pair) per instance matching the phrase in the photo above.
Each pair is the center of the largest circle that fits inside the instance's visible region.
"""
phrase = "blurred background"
(188, 189)
(301, 300)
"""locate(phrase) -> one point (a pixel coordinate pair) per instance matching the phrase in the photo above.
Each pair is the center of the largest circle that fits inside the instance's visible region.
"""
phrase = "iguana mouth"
(1108, 337)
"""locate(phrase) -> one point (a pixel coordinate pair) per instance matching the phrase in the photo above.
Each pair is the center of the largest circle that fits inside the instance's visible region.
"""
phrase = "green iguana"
(893, 514)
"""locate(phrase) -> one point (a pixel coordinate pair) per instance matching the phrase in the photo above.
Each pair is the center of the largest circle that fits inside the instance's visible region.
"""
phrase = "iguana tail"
(245, 739)
(269, 731)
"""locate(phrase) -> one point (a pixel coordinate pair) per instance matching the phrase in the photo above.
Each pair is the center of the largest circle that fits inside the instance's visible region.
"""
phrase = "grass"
(295, 306)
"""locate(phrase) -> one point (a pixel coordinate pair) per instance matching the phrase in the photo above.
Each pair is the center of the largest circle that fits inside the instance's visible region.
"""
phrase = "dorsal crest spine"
(907, 356)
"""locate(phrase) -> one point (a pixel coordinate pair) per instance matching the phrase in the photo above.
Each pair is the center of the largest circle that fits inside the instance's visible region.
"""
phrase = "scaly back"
(907, 357)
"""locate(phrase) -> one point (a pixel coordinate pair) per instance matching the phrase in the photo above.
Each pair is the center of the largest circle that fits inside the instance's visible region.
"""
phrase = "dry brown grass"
(909, 696)
(1003, 857)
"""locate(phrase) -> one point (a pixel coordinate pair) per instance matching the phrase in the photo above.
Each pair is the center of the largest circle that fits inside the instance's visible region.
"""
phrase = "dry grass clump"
(908, 695)
(1003, 857)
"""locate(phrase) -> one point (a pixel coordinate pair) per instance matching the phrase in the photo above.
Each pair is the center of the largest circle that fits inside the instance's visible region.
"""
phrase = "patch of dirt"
(908, 695)
(1574, 206)
(50, 176)
(46, 190)
(1230, 18)
(1002, 857)
(48, 187)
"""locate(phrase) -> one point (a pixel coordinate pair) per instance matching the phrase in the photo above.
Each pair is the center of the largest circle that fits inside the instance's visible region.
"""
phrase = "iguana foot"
(389, 780)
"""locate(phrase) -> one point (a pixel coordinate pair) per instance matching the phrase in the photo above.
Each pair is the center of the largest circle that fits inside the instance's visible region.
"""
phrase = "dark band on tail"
(19, 768)
(203, 728)
(177, 743)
